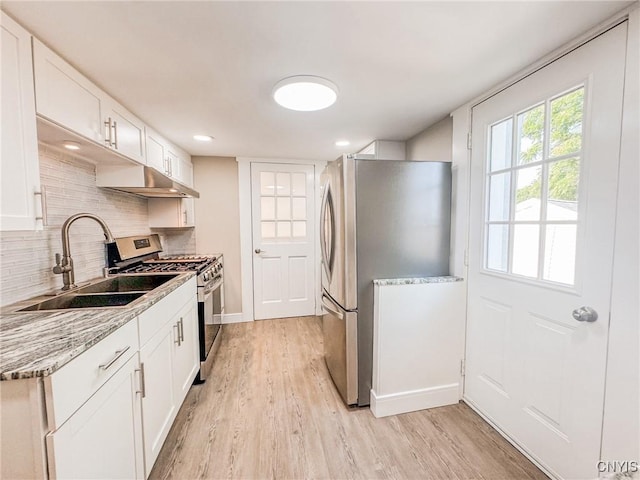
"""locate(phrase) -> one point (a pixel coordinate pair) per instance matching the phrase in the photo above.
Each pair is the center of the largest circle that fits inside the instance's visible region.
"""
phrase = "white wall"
(433, 143)
(218, 220)
(621, 435)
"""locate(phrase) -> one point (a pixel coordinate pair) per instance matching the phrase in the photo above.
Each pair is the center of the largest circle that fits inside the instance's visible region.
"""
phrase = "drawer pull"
(115, 358)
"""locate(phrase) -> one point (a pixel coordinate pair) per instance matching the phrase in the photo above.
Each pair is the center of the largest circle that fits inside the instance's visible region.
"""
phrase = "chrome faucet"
(64, 265)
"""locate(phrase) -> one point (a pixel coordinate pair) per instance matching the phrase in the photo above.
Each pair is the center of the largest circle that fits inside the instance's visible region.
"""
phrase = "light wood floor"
(270, 410)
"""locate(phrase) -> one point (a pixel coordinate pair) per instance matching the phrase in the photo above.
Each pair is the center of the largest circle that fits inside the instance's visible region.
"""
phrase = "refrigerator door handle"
(323, 241)
(330, 309)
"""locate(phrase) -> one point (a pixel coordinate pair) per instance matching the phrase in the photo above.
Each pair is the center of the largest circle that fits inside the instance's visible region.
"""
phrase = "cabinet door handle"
(39, 213)
(185, 217)
(115, 134)
(177, 327)
(115, 358)
(181, 329)
(143, 389)
(107, 135)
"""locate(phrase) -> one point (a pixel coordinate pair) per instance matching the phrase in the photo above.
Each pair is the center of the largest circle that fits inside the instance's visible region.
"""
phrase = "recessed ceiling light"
(69, 145)
(173, 190)
(305, 93)
(343, 143)
(203, 138)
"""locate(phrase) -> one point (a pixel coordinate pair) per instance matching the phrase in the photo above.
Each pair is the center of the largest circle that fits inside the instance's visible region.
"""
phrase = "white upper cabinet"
(168, 159)
(20, 202)
(125, 133)
(156, 156)
(171, 212)
(66, 97)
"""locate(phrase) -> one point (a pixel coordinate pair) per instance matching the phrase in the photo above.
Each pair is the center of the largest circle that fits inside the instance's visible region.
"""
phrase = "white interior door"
(283, 206)
(543, 189)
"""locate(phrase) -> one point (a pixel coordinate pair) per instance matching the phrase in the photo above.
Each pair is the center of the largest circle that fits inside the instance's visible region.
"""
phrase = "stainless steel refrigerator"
(379, 219)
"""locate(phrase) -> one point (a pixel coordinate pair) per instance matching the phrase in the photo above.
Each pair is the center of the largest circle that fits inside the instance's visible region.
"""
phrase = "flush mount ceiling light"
(203, 138)
(343, 143)
(305, 93)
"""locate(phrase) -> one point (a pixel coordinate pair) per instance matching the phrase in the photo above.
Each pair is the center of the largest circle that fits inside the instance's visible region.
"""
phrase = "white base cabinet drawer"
(68, 388)
(102, 439)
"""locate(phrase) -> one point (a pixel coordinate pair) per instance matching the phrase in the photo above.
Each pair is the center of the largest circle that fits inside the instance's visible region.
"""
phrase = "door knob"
(585, 314)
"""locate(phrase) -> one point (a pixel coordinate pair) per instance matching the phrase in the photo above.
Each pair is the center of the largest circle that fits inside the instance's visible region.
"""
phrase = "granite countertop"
(36, 344)
(384, 282)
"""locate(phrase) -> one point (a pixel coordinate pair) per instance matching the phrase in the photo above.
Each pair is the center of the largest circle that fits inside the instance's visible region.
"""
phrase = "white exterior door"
(543, 189)
(283, 206)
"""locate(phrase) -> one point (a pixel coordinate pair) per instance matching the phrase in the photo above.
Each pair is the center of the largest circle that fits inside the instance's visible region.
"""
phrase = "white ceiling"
(209, 67)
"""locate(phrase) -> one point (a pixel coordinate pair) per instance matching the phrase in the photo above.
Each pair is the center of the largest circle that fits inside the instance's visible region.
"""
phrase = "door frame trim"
(246, 239)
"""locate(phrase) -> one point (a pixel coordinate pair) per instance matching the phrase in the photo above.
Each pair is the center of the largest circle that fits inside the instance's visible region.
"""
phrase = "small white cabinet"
(418, 344)
(20, 207)
(171, 212)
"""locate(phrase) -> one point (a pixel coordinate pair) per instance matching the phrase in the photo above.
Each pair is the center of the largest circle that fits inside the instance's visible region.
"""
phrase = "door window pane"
(498, 247)
(267, 183)
(563, 181)
(566, 123)
(499, 196)
(283, 184)
(284, 229)
(299, 208)
(267, 208)
(531, 135)
(299, 229)
(268, 229)
(501, 140)
(284, 208)
(525, 250)
(299, 184)
(560, 253)
(528, 193)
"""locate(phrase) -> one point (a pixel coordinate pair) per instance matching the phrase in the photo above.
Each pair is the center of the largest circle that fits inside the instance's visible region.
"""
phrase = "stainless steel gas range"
(141, 254)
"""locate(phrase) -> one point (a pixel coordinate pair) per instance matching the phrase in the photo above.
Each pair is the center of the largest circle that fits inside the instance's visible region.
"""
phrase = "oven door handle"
(209, 290)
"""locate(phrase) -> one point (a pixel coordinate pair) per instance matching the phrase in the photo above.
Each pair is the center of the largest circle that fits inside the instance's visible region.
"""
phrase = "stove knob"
(205, 276)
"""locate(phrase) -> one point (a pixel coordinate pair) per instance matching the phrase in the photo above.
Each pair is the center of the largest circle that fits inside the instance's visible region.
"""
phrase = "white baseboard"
(404, 402)
(233, 318)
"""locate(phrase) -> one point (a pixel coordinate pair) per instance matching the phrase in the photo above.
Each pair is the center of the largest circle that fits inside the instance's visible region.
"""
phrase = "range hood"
(158, 185)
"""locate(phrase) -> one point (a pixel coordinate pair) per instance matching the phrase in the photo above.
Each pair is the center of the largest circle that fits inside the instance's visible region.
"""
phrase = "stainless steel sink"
(127, 283)
(75, 300)
(110, 292)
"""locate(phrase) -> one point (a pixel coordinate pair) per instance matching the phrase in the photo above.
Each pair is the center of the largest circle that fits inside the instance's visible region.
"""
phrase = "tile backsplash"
(69, 187)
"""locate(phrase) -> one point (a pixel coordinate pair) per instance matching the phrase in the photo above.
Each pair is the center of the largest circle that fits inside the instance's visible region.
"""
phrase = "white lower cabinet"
(185, 351)
(107, 413)
(103, 438)
(158, 402)
(169, 362)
